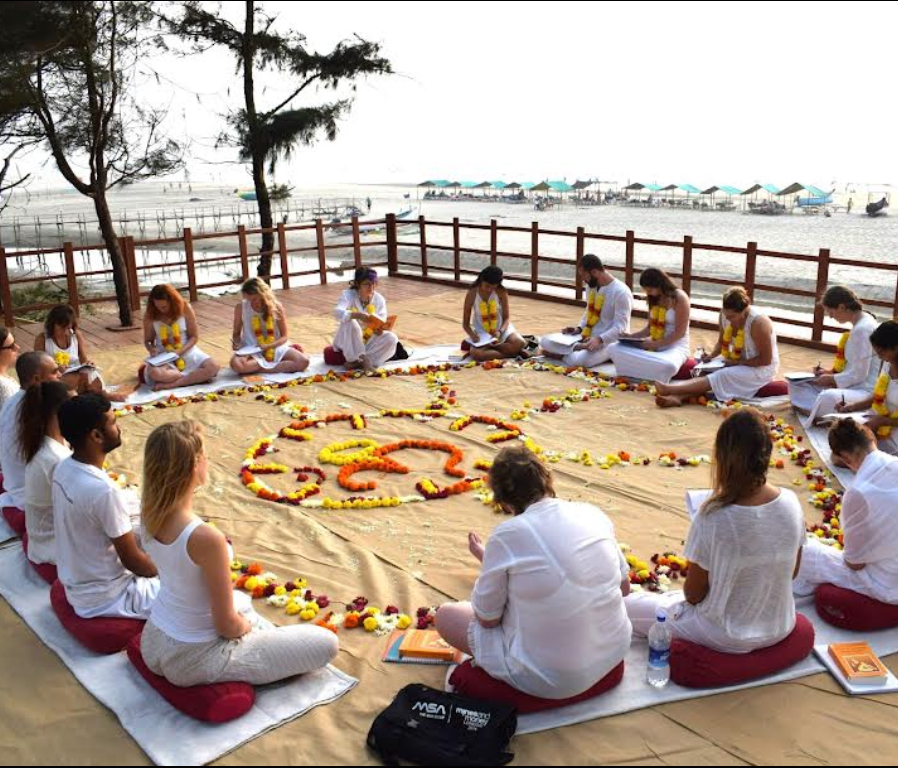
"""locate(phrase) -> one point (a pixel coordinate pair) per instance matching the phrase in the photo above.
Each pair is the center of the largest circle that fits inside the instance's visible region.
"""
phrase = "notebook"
(161, 359)
(391, 652)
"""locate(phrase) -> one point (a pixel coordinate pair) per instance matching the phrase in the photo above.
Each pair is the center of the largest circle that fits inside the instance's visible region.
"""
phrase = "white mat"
(635, 693)
(6, 533)
(228, 379)
(167, 736)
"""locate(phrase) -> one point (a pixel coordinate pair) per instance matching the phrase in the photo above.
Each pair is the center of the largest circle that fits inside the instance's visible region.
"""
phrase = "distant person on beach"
(747, 348)
(486, 319)
(660, 349)
(850, 205)
(368, 203)
(169, 325)
(609, 305)
(855, 370)
(64, 342)
(260, 335)
(361, 345)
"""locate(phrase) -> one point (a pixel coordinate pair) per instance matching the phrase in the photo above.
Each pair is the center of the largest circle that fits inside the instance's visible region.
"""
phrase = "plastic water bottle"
(659, 652)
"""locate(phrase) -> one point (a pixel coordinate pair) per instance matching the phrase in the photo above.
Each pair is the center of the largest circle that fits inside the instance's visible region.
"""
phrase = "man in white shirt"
(100, 564)
(31, 368)
(868, 564)
(609, 305)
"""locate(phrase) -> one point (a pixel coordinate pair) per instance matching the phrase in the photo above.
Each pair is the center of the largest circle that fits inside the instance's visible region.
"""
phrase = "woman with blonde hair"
(197, 632)
(855, 369)
(744, 549)
(169, 325)
(747, 348)
(260, 322)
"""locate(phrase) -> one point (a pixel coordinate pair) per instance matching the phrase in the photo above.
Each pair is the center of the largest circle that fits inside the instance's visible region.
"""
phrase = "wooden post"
(534, 256)
(126, 248)
(751, 269)
(282, 251)
(5, 293)
(191, 263)
(581, 250)
(71, 279)
(244, 252)
(322, 252)
(356, 242)
(423, 235)
(894, 310)
(687, 264)
(630, 258)
(494, 242)
(456, 245)
(392, 248)
(822, 281)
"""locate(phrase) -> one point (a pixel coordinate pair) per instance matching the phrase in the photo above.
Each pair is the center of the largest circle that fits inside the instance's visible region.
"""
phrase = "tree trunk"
(265, 217)
(119, 273)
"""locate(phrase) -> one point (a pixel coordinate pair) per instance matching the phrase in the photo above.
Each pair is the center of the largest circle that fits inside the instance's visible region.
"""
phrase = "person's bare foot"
(668, 401)
(662, 389)
(366, 364)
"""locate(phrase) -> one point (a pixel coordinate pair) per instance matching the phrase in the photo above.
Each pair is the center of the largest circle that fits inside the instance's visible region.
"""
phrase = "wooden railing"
(391, 251)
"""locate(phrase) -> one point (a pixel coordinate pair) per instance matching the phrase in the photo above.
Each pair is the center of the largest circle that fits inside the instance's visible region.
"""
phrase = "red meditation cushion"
(141, 373)
(469, 680)
(101, 635)
(774, 389)
(851, 610)
(213, 703)
(333, 356)
(16, 519)
(685, 373)
(2, 489)
(694, 666)
(47, 571)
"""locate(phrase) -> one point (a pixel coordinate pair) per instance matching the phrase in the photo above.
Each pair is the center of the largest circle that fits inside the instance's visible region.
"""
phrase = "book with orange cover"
(426, 644)
(391, 652)
(376, 324)
(858, 663)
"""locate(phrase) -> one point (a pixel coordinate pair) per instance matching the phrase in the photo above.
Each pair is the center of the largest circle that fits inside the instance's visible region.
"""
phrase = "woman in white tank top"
(198, 632)
(487, 318)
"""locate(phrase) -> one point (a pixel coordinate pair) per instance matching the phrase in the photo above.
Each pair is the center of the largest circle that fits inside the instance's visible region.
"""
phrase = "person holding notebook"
(364, 334)
(486, 319)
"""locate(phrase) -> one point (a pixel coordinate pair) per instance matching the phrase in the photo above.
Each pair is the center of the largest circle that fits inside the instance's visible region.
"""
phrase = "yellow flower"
(404, 622)
(280, 591)
(307, 614)
(370, 624)
(292, 608)
(251, 583)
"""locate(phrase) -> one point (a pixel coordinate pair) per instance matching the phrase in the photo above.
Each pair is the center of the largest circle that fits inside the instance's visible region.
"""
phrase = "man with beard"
(90, 514)
(609, 305)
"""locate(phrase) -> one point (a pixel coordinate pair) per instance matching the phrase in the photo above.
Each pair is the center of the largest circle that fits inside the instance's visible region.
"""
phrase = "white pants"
(686, 622)
(820, 402)
(821, 564)
(635, 363)
(740, 382)
(350, 341)
(135, 602)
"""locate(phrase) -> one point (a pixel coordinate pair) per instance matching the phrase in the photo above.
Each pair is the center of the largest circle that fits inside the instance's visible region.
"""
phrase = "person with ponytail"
(853, 374)
(744, 549)
(260, 321)
(202, 630)
(43, 448)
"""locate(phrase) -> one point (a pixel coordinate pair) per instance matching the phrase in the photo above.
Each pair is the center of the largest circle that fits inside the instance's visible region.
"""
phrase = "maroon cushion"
(694, 666)
(333, 356)
(469, 680)
(16, 519)
(47, 571)
(101, 635)
(2, 489)
(465, 345)
(851, 610)
(774, 389)
(142, 373)
(214, 703)
(685, 373)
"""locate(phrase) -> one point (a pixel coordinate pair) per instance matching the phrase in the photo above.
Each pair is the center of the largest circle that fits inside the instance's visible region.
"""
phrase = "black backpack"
(430, 727)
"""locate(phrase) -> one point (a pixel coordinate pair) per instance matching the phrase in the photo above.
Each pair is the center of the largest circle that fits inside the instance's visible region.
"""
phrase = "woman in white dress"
(884, 400)
(362, 346)
(547, 612)
(487, 315)
(169, 325)
(746, 346)
(663, 345)
(744, 549)
(856, 368)
(260, 321)
(9, 353)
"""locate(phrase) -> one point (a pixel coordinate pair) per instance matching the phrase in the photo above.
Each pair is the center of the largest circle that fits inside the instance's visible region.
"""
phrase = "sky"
(665, 92)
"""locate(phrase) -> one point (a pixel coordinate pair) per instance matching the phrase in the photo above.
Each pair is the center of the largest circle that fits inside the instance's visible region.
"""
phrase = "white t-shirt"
(11, 463)
(750, 555)
(8, 387)
(553, 575)
(89, 513)
(39, 500)
(617, 309)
